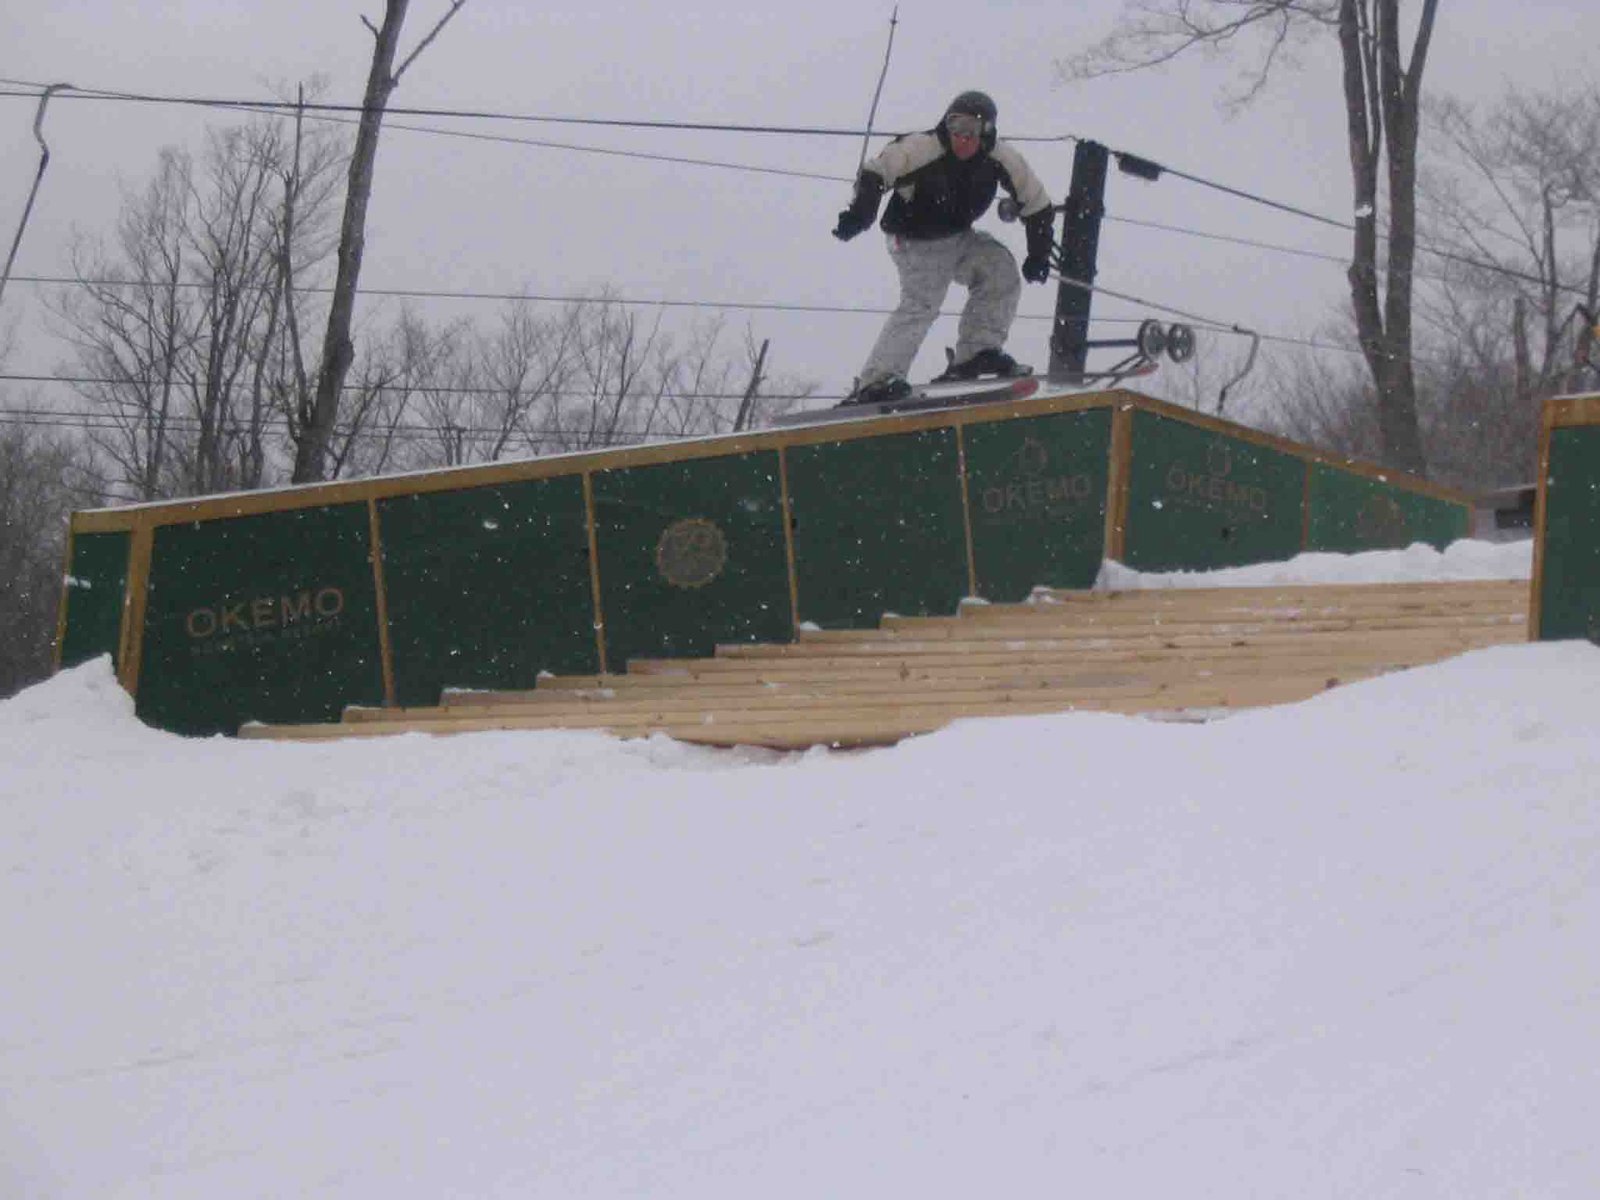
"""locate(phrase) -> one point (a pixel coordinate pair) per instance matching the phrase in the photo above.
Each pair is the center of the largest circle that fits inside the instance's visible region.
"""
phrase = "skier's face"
(965, 132)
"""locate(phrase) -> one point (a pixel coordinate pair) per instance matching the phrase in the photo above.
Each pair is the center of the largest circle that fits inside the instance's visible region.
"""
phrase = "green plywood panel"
(1037, 493)
(1352, 512)
(1199, 500)
(268, 618)
(95, 585)
(487, 587)
(691, 554)
(1569, 596)
(878, 528)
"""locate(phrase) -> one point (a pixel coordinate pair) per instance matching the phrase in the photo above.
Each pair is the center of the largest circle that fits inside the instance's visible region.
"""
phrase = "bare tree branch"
(1381, 94)
(455, 7)
(338, 351)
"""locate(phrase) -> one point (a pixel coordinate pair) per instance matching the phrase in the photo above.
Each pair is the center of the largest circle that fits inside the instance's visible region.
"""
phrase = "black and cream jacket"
(935, 194)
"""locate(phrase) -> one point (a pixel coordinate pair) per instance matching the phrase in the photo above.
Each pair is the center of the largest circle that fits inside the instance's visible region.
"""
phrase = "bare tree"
(316, 425)
(41, 481)
(132, 327)
(1381, 92)
(1480, 435)
(705, 384)
(632, 380)
(1222, 360)
(508, 382)
(1325, 400)
(1515, 193)
(454, 395)
(590, 375)
(379, 427)
(307, 201)
(443, 377)
(617, 384)
(185, 322)
(1475, 433)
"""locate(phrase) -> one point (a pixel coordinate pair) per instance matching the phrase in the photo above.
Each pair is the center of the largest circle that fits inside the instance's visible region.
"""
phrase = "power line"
(285, 107)
(460, 114)
(1338, 260)
(1230, 239)
(277, 109)
(442, 294)
(314, 106)
(1422, 245)
(537, 143)
(1211, 324)
(320, 111)
(419, 388)
(1227, 189)
(105, 422)
(1241, 194)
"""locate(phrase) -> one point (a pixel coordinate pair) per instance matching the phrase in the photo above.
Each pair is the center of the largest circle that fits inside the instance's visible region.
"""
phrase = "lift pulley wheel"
(1180, 343)
(1151, 339)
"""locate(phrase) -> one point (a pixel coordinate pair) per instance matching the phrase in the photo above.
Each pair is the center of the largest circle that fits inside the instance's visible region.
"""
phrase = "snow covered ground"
(1344, 948)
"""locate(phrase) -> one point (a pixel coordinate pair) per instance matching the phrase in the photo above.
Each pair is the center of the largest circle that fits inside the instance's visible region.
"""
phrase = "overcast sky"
(461, 214)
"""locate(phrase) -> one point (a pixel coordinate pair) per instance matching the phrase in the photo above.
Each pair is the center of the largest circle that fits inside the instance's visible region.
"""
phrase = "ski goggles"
(966, 125)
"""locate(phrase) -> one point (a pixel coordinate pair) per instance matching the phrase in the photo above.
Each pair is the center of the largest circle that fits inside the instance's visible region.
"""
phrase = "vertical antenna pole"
(894, 19)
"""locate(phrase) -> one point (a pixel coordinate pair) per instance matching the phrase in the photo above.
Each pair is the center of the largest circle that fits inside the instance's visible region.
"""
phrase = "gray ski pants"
(978, 262)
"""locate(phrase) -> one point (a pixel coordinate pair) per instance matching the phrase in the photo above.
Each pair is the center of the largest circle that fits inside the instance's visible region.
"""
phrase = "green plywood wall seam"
(1305, 506)
(594, 572)
(135, 605)
(1118, 479)
(381, 598)
(966, 510)
(787, 516)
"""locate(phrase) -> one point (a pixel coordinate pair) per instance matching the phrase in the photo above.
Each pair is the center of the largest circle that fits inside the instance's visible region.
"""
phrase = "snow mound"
(87, 697)
(1417, 563)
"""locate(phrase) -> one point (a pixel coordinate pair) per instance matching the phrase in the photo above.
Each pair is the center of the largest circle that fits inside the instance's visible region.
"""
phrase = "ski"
(963, 394)
(923, 399)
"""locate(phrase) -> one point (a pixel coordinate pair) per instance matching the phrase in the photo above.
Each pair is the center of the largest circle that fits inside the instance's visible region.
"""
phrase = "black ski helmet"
(976, 104)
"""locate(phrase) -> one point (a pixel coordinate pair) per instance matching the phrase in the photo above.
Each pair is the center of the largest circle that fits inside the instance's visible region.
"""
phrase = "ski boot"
(992, 362)
(882, 391)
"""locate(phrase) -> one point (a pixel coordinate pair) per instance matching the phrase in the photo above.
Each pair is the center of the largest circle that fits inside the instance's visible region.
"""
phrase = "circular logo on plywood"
(691, 553)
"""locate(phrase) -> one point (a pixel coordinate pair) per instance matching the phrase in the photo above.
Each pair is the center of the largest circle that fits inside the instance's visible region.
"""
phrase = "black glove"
(863, 209)
(1036, 267)
(852, 222)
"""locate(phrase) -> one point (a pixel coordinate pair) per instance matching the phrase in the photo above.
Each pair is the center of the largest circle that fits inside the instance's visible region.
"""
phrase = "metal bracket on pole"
(1080, 248)
(44, 161)
(1249, 365)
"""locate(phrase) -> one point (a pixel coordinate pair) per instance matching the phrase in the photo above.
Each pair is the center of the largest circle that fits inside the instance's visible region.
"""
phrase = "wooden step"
(926, 629)
(1091, 647)
(844, 724)
(1176, 651)
(1345, 594)
(725, 704)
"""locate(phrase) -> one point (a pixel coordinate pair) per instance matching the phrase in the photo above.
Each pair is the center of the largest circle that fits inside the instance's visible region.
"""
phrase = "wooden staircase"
(1188, 652)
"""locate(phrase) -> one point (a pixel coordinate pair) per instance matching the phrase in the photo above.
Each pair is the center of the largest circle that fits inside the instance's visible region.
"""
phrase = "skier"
(943, 180)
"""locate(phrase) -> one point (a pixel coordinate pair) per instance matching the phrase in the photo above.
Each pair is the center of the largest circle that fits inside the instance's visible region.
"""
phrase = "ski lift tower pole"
(872, 115)
(38, 178)
(1080, 248)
